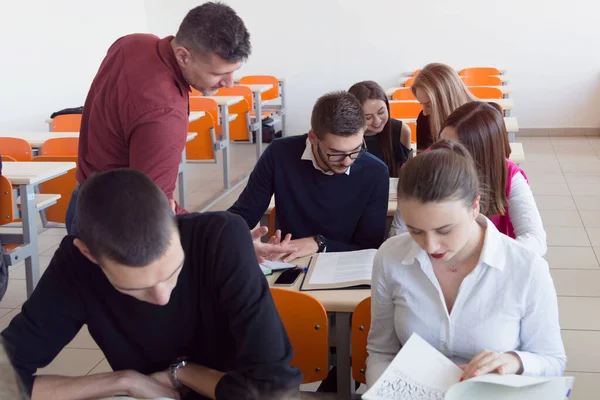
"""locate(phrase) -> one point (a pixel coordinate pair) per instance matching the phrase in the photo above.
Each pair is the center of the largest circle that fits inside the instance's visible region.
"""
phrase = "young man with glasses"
(330, 194)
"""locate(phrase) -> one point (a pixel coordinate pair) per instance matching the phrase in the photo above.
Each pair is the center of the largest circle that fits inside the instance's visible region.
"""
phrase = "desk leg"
(225, 138)
(30, 237)
(511, 137)
(345, 383)
(258, 110)
(181, 179)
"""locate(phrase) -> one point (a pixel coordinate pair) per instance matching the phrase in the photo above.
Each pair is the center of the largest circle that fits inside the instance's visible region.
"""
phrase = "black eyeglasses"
(339, 157)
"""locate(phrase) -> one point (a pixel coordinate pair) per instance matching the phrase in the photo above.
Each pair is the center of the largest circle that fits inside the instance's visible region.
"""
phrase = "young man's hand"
(149, 387)
(305, 247)
(275, 249)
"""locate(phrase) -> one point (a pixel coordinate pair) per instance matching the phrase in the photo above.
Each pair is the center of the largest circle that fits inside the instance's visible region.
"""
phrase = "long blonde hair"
(446, 92)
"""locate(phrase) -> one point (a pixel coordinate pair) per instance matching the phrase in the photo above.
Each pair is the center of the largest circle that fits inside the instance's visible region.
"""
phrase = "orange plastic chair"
(305, 321)
(209, 106)
(481, 81)
(486, 92)
(63, 185)
(405, 109)
(7, 208)
(239, 128)
(270, 94)
(195, 92)
(68, 147)
(272, 217)
(8, 158)
(19, 149)
(409, 82)
(201, 147)
(413, 132)
(479, 71)
(66, 123)
(416, 73)
(404, 93)
(361, 323)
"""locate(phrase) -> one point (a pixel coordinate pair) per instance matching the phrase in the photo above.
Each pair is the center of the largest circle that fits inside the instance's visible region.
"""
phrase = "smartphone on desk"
(289, 277)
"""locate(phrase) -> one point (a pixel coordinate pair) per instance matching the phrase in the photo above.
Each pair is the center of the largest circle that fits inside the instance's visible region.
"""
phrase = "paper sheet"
(418, 372)
(331, 268)
(393, 189)
(512, 387)
(276, 265)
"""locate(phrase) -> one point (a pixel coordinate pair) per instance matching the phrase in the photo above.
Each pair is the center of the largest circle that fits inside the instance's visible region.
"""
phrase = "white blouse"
(524, 216)
(507, 303)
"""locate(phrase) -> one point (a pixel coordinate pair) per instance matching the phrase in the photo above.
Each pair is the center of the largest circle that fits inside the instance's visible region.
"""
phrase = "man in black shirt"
(152, 290)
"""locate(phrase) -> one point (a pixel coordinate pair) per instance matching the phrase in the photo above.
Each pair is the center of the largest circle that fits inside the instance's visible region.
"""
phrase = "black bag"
(268, 131)
(76, 110)
(3, 274)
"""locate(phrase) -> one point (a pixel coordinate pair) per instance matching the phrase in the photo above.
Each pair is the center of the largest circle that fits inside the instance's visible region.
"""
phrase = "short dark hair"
(123, 216)
(445, 172)
(339, 113)
(215, 28)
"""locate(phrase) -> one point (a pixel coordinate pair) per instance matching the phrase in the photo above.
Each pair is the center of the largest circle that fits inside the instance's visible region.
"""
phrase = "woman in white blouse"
(481, 298)
(509, 203)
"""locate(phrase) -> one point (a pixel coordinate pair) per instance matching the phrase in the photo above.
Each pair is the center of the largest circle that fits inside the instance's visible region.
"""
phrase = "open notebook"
(343, 270)
(420, 372)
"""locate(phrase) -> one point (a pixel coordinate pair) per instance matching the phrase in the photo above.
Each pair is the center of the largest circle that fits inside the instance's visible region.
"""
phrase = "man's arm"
(264, 351)
(254, 200)
(156, 142)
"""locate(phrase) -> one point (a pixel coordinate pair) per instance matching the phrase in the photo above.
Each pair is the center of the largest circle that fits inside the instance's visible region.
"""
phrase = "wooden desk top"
(33, 173)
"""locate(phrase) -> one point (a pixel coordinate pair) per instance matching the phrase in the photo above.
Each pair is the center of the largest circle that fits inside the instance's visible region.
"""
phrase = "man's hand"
(305, 247)
(149, 387)
(275, 249)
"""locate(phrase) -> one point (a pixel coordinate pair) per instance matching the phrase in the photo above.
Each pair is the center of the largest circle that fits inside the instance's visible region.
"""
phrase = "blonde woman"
(440, 91)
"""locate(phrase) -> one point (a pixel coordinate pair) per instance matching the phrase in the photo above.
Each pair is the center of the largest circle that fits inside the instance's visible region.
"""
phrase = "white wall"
(51, 51)
(548, 47)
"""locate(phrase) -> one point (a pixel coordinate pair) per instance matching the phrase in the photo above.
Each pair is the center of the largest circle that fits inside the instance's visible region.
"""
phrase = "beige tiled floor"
(565, 177)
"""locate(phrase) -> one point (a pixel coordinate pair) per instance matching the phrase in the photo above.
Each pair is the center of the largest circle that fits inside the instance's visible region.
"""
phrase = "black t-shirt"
(401, 153)
(220, 314)
(423, 132)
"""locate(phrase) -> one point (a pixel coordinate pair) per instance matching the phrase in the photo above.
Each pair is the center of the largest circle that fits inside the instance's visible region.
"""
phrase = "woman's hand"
(489, 361)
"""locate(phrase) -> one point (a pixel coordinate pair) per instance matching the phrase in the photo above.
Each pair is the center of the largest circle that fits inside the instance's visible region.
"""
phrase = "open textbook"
(420, 372)
(341, 270)
(393, 195)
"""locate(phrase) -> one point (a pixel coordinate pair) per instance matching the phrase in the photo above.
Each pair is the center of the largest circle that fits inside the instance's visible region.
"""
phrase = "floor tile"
(103, 366)
(19, 272)
(581, 167)
(5, 320)
(555, 202)
(550, 189)
(590, 218)
(586, 387)
(558, 218)
(73, 362)
(594, 235)
(576, 283)
(587, 203)
(584, 189)
(83, 340)
(4, 311)
(566, 236)
(15, 294)
(579, 313)
(583, 350)
(572, 258)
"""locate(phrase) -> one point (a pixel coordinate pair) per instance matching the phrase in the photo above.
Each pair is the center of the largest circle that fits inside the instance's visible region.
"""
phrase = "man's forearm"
(200, 379)
(81, 387)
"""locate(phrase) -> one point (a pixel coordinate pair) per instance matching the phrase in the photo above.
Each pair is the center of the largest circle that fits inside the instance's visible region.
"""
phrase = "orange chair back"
(66, 147)
(416, 73)
(272, 217)
(209, 106)
(7, 205)
(409, 82)
(270, 94)
(8, 158)
(486, 92)
(195, 92)
(361, 323)
(201, 147)
(413, 132)
(479, 71)
(482, 81)
(405, 109)
(19, 149)
(63, 185)
(238, 128)
(66, 123)
(404, 93)
(305, 321)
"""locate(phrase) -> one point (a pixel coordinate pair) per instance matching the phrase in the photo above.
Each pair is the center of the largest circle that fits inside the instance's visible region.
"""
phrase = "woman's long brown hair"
(480, 128)
(369, 90)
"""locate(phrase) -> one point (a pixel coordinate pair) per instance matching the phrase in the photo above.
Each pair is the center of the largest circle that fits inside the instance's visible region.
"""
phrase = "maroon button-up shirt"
(136, 113)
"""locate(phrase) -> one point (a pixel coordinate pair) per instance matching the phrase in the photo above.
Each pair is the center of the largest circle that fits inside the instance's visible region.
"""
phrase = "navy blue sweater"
(348, 210)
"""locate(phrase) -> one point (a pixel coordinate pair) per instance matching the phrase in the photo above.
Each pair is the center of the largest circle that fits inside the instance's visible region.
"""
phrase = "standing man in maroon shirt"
(137, 110)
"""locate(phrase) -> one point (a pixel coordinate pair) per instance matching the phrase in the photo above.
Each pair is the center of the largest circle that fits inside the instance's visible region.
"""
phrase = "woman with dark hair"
(387, 138)
(509, 203)
(473, 293)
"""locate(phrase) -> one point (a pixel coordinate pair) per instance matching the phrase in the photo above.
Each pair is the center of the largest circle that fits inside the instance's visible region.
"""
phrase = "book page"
(393, 195)
(276, 265)
(418, 372)
(331, 268)
(541, 388)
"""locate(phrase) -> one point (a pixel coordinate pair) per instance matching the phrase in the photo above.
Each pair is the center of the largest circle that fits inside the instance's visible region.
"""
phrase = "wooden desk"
(194, 115)
(37, 139)
(257, 104)
(27, 175)
(342, 304)
(517, 154)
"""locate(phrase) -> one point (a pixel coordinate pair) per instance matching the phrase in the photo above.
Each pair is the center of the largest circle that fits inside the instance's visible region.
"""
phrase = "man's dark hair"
(123, 216)
(215, 28)
(338, 113)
